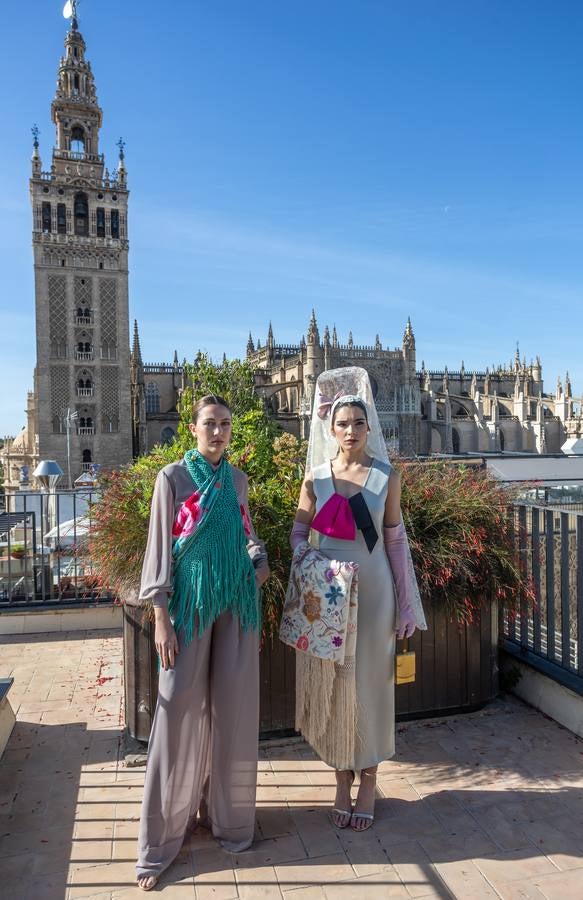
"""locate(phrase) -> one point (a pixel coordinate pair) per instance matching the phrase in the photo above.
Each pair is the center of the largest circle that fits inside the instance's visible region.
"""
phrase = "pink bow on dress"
(335, 519)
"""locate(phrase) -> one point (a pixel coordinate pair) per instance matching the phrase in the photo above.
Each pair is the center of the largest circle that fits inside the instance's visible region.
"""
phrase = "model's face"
(212, 430)
(350, 428)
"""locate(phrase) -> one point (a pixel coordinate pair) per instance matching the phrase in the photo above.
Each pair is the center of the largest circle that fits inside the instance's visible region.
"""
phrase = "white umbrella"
(68, 532)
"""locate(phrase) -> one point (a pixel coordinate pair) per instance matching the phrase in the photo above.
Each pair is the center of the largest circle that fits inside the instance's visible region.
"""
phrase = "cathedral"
(95, 402)
(422, 412)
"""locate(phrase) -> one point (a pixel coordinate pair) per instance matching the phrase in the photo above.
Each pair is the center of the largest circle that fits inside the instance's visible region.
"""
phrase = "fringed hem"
(326, 708)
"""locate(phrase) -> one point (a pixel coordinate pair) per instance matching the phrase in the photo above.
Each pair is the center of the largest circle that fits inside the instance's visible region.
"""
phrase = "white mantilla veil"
(349, 383)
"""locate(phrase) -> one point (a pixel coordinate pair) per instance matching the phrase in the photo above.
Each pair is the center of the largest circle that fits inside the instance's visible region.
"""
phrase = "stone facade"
(422, 412)
(80, 245)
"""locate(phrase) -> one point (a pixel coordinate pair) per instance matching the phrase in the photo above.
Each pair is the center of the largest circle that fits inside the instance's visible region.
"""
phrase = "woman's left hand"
(407, 623)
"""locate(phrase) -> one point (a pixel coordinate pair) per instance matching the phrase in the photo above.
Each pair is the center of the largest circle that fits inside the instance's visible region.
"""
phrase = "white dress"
(375, 646)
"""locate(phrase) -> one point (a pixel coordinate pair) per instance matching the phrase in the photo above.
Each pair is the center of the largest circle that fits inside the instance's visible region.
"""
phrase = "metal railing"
(84, 392)
(548, 634)
(44, 550)
(85, 355)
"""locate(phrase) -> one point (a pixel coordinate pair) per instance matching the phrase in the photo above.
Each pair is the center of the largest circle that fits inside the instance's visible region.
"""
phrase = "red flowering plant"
(462, 538)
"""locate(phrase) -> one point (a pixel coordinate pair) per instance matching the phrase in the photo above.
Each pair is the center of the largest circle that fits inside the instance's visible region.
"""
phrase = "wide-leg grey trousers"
(203, 745)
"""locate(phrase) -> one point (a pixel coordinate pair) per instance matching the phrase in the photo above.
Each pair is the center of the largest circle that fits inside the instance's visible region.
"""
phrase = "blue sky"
(373, 159)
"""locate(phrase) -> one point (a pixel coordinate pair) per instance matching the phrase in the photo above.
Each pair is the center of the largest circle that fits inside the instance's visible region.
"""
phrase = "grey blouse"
(173, 486)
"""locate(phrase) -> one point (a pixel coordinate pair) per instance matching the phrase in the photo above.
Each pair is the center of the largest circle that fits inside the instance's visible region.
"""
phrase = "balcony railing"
(44, 557)
(549, 633)
(84, 355)
(87, 466)
(86, 430)
(84, 392)
(78, 156)
(83, 320)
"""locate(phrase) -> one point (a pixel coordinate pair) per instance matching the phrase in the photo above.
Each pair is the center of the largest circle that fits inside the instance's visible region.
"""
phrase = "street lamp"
(48, 472)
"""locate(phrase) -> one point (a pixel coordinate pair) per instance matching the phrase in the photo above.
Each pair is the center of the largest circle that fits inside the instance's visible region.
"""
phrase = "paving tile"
(416, 870)
(258, 883)
(319, 871)
(519, 890)
(515, 865)
(372, 887)
(562, 885)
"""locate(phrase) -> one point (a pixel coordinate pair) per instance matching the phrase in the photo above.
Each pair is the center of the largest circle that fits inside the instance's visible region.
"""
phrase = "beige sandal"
(147, 878)
(369, 817)
(344, 812)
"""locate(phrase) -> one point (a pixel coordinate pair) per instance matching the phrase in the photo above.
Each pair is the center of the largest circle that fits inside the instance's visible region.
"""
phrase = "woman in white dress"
(347, 458)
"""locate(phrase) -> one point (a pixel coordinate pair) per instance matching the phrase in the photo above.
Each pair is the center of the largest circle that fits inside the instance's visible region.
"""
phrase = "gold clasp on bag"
(405, 665)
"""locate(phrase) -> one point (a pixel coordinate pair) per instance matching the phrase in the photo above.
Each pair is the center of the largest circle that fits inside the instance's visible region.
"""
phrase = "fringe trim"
(326, 708)
(213, 583)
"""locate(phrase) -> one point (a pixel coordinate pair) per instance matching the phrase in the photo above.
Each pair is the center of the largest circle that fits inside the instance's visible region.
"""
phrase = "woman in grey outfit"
(202, 569)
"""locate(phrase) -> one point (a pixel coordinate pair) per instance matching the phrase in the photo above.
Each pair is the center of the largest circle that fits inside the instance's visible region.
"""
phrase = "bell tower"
(80, 246)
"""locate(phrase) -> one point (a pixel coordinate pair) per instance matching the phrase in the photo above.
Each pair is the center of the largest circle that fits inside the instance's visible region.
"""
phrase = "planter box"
(457, 671)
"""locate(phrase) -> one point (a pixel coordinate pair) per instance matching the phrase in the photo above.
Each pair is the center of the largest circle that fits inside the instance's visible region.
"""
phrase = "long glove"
(395, 539)
(299, 533)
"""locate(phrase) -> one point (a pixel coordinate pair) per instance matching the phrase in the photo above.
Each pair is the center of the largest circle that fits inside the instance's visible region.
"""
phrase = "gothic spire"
(136, 349)
(313, 333)
(334, 337)
(408, 336)
(250, 345)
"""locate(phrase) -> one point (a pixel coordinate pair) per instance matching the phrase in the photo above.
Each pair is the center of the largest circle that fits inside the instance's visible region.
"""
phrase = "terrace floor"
(482, 805)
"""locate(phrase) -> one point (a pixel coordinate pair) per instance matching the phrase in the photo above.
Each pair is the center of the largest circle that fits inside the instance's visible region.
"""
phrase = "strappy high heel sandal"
(368, 817)
(344, 812)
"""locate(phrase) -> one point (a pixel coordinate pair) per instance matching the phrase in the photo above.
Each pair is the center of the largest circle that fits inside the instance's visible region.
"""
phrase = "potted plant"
(466, 558)
(17, 551)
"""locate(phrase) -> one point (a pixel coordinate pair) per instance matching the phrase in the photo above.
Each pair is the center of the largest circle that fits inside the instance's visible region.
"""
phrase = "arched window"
(77, 133)
(455, 440)
(89, 422)
(152, 398)
(61, 218)
(88, 383)
(501, 433)
(87, 456)
(167, 436)
(46, 216)
(81, 214)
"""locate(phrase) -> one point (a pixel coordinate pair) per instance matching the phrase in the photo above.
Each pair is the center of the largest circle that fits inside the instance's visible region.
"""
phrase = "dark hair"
(358, 403)
(207, 400)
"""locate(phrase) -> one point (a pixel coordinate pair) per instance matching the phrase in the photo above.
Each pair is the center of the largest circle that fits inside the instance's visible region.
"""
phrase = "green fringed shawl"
(213, 572)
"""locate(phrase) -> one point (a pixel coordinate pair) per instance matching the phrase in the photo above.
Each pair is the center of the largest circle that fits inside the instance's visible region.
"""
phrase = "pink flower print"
(337, 641)
(302, 642)
(329, 574)
(246, 521)
(189, 515)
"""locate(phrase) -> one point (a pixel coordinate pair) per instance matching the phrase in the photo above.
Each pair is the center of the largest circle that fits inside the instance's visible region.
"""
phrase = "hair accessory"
(325, 404)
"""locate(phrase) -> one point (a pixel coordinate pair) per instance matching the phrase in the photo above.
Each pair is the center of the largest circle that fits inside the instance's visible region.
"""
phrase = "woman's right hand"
(165, 639)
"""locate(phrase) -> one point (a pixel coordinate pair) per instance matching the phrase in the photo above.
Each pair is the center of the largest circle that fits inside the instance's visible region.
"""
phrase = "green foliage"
(462, 538)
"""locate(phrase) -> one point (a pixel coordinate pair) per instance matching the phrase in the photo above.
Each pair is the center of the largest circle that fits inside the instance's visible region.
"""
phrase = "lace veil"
(351, 382)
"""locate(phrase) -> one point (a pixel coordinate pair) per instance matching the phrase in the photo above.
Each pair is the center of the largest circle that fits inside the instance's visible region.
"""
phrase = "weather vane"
(121, 146)
(70, 10)
(35, 133)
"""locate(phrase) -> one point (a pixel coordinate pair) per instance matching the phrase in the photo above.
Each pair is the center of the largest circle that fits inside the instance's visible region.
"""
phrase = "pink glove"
(299, 533)
(395, 539)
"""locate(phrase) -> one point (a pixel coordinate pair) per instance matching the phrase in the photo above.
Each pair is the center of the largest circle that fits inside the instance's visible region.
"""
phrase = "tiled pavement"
(483, 805)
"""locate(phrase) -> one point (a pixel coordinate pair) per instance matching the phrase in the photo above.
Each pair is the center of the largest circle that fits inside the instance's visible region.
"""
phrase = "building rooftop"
(488, 804)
